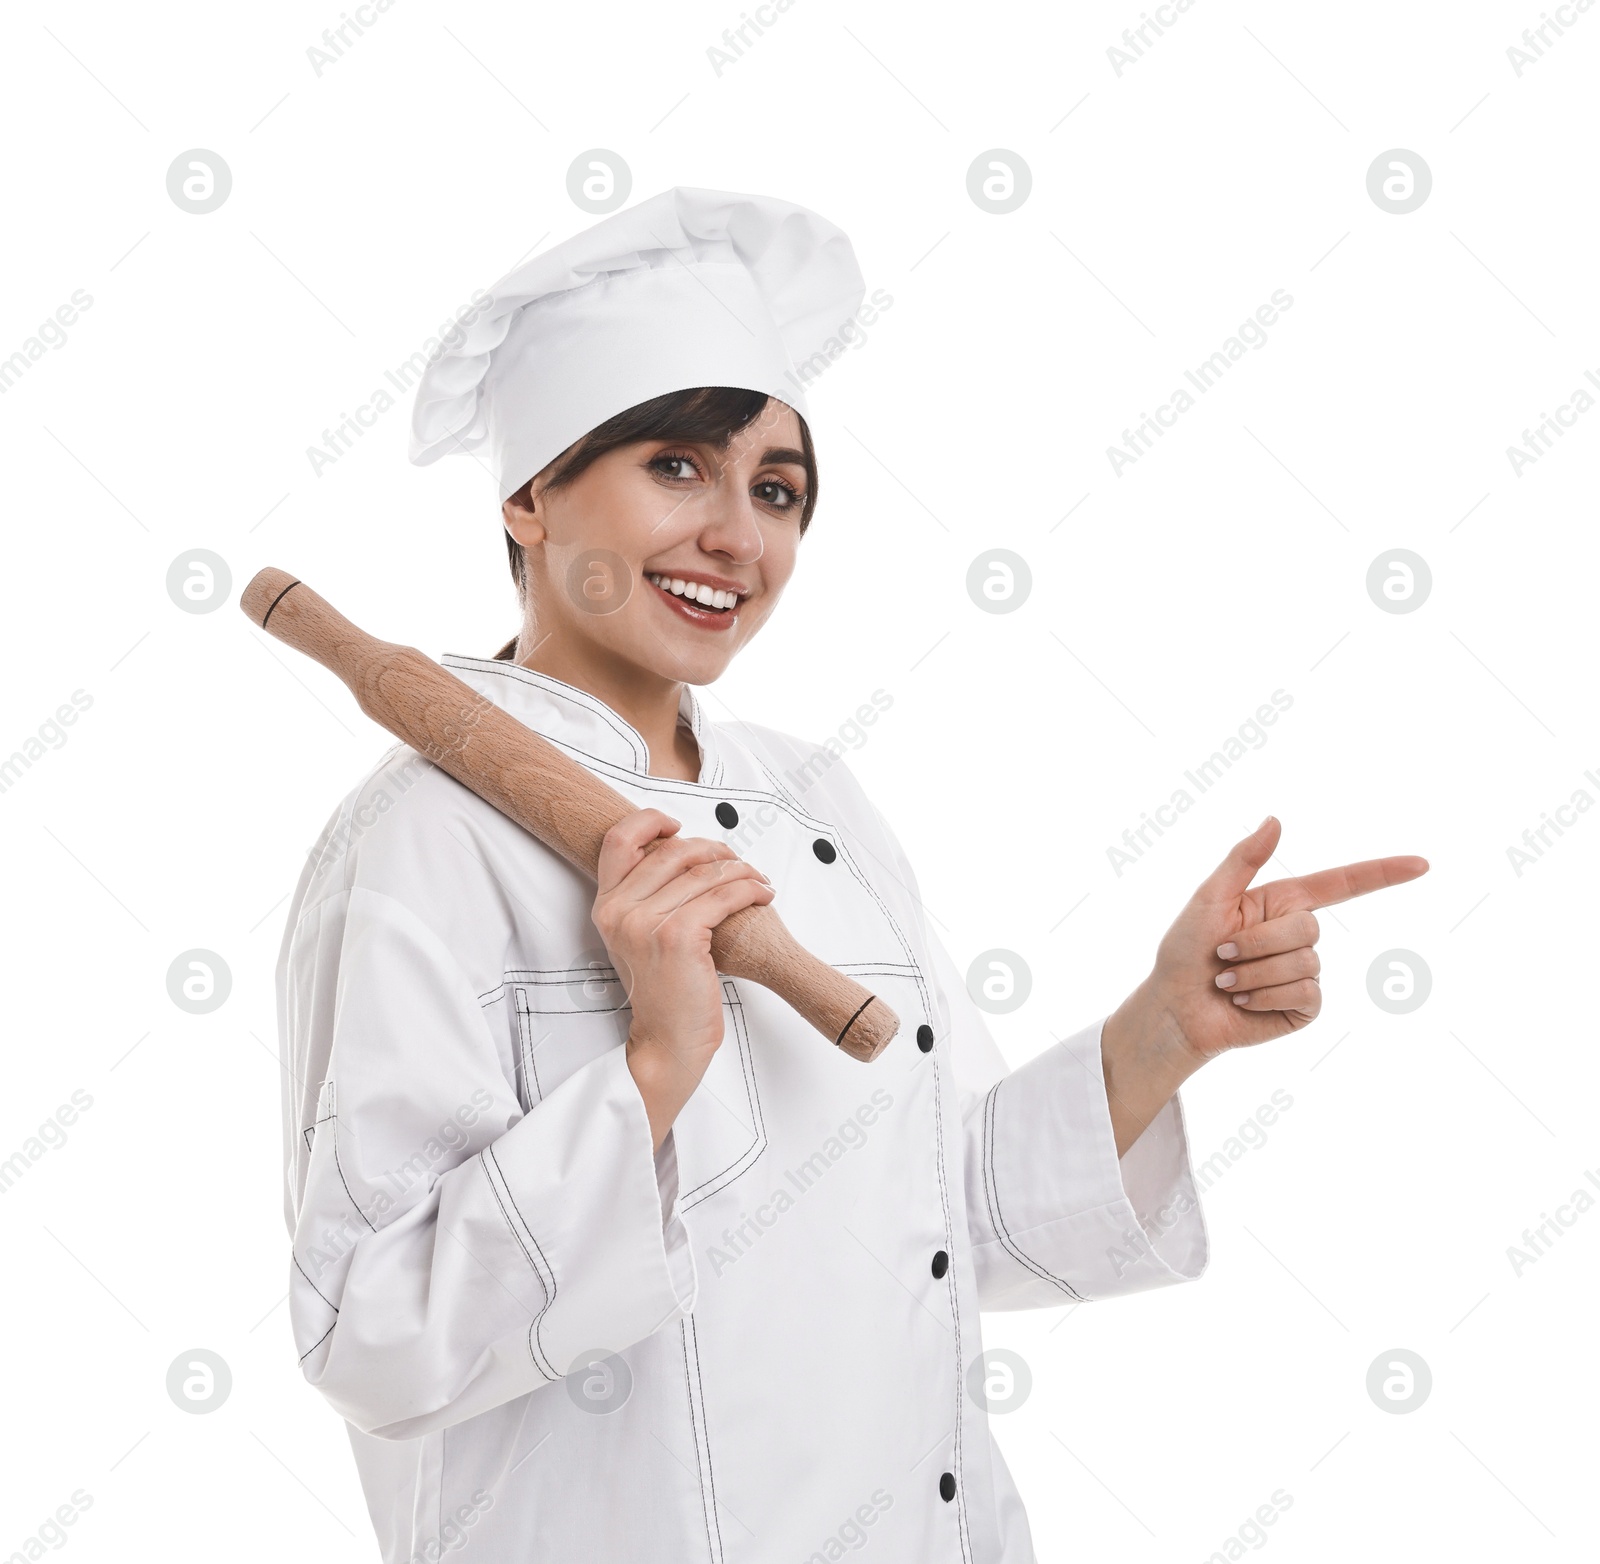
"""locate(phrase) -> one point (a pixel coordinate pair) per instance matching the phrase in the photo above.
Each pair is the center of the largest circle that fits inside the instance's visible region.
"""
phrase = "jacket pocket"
(566, 1017)
(324, 1112)
(720, 1132)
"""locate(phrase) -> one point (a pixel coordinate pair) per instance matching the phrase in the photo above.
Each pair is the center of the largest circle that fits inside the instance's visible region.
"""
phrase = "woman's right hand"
(656, 909)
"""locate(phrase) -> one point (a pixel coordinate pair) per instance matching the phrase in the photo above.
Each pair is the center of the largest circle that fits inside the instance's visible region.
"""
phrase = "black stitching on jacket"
(310, 1130)
(955, 1302)
(333, 1118)
(553, 977)
(694, 1430)
(535, 1347)
(317, 1343)
(752, 1097)
(849, 859)
(525, 1024)
(567, 692)
(703, 1430)
(313, 1286)
(991, 1186)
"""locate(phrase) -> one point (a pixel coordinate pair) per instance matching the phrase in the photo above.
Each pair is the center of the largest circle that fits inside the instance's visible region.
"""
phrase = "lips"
(708, 591)
(717, 614)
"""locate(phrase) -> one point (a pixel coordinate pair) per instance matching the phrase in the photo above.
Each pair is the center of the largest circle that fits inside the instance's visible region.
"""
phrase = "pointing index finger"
(1328, 886)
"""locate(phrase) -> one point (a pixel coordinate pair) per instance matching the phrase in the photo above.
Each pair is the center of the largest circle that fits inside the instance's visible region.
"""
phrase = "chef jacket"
(550, 1342)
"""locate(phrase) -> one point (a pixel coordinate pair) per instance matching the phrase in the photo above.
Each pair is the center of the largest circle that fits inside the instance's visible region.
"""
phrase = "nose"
(730, 525)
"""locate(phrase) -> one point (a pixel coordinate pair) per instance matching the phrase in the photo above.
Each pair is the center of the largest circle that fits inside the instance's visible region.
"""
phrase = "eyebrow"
(772, 456)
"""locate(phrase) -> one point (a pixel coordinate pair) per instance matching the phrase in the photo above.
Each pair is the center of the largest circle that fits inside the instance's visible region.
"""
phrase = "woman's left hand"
(1239, 966)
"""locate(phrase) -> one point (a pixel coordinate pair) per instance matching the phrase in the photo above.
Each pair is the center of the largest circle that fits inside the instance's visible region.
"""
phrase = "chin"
(696, 665)
(674, 656)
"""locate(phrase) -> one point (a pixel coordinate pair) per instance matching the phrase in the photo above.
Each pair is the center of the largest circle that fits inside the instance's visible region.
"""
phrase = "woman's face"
(603, 551)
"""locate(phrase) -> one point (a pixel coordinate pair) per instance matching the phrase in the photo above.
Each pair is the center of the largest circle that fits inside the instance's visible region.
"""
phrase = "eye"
(786, 497)
(668, 460)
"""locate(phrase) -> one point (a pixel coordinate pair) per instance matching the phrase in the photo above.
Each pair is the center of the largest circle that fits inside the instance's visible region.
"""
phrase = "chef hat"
(689, 288)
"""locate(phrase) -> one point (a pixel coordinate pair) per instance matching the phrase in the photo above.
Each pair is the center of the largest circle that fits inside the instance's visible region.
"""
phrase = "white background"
(1167, 603)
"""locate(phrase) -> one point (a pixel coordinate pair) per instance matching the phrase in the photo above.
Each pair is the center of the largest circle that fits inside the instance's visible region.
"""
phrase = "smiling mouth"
(720, 612)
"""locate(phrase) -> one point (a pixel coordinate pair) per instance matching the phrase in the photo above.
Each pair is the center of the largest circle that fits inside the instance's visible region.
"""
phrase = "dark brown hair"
(702, 413)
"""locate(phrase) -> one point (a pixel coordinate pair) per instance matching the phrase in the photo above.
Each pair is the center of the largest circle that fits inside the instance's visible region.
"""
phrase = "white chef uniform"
(550, 1343)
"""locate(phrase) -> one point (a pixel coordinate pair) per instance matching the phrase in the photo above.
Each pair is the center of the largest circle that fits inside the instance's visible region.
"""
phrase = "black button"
(925, 1038)
(947, 1487)
(824, 849)
(941, 1263)
(727, 816)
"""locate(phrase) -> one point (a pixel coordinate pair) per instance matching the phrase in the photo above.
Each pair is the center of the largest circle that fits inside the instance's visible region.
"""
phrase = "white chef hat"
(690, 288)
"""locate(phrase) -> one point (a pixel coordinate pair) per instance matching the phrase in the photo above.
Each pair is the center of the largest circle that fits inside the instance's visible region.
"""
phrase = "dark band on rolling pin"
(838, 1042)
(278, 599)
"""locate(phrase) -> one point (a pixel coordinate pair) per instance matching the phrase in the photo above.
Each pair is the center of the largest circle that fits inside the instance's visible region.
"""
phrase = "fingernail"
(1227, 979)
(1228, 952)
(1265, 823)
(1241, 999)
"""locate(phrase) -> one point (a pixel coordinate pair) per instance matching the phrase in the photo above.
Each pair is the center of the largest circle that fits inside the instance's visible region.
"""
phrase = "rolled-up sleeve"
(1054, 1215)
(450, 1251)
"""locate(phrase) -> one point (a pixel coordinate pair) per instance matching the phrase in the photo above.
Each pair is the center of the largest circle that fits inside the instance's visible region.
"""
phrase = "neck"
(646, 700)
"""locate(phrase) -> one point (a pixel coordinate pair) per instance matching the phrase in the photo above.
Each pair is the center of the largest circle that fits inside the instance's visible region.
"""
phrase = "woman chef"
(601, 1255)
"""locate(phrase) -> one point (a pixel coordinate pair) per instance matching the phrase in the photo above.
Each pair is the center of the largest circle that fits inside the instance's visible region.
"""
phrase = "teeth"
(695, 591)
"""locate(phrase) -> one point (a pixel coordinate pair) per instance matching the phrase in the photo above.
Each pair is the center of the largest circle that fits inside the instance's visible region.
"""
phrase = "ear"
(521, 519)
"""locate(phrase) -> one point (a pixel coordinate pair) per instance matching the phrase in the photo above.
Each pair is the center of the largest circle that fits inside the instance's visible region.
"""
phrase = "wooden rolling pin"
(532, 782)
